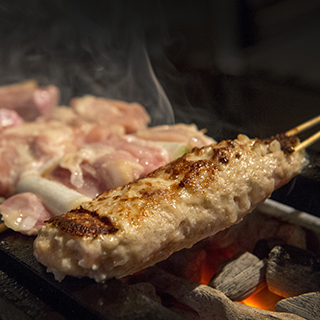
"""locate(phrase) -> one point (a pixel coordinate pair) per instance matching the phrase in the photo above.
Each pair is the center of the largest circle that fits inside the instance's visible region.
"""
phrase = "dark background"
(230, 66)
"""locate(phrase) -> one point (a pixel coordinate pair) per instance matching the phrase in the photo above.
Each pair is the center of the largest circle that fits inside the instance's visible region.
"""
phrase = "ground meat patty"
(135, 226)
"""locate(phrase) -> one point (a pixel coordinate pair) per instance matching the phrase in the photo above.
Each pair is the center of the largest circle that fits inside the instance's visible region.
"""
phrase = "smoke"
(101, 48)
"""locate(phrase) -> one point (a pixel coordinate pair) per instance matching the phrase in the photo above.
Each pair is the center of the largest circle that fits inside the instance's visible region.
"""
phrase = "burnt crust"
(287, 142)
(81, 222)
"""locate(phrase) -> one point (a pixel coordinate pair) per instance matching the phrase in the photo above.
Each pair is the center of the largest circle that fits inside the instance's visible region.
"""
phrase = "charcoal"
(292, 271)
(208, 302)
(264, 246)
(306, 305)
(239, 278)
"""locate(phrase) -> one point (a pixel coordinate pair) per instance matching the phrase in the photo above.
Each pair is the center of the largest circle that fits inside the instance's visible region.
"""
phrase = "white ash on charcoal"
(250, 313)
(292, 271)
(306, 305)
(240, 277)
(205, 302)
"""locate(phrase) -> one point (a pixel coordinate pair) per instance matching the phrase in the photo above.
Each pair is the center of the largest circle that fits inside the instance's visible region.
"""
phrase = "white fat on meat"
(116, 169)
(132, 227)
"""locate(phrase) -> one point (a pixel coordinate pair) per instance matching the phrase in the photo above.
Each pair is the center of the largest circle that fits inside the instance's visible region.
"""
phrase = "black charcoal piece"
(292, 271)
(306, 305)
(240, 277)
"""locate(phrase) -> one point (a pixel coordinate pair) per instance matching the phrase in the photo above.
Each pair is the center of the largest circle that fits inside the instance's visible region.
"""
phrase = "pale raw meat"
(117, 169)
(9, 118)
(28, 99)
(24, 213)
(89, 147)
(9, 170)
(129, 228)
(28, 146)
(85, 130)
(118, 160)
(96, 168)
(46, 99)
(188, 134)
(132, 116)
(148, 154)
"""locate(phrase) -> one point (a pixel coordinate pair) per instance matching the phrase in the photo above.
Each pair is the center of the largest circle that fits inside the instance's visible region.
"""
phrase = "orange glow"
(214, 258)
(264, 299)
(207, 273)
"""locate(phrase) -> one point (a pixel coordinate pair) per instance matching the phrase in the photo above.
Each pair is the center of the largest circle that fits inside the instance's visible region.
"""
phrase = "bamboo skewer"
(302, 127)
(308, 142)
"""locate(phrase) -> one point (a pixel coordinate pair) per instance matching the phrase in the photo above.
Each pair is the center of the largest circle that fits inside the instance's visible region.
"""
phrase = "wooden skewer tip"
(304, 126)
(308, 142)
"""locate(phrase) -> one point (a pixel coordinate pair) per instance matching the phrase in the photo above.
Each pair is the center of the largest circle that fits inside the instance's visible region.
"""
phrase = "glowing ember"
(264, 299)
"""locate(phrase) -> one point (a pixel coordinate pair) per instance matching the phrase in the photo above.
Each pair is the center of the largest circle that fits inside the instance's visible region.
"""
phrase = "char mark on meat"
(80, 222)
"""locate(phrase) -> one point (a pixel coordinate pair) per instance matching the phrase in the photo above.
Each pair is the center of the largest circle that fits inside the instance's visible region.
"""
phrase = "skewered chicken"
(139, 224)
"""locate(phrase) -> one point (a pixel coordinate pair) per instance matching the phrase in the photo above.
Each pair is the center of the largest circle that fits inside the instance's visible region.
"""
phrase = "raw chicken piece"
(132, 116)
(149, 154)
(38, 200)
(28, 99)
(188, 134)
(96, 168)
(9, 118)
(28, 146)
(89, 147)
(24, 213)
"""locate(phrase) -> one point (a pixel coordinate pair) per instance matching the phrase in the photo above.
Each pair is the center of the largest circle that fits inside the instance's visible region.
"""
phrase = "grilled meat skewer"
(129, 228)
